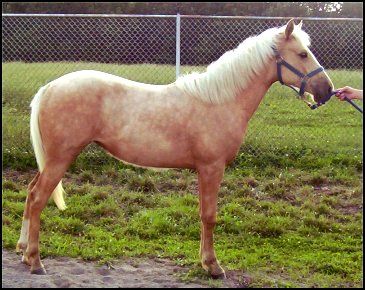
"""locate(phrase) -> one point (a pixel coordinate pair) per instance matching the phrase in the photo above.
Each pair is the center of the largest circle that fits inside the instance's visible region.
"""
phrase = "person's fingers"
(345, 89)
(341, 91)
(339, 94)
(342, 96)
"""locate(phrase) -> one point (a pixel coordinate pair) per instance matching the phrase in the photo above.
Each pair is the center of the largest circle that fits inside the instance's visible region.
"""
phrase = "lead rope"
(315, 106)
(353, 104)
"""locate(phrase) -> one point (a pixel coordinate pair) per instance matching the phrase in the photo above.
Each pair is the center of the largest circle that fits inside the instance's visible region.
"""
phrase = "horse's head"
(292, 48)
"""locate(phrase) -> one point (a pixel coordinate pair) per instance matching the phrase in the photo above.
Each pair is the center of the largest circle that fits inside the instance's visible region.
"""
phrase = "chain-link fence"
(151, 49)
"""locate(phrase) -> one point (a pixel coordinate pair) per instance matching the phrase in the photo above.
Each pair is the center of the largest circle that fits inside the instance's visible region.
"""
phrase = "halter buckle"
(305, 78)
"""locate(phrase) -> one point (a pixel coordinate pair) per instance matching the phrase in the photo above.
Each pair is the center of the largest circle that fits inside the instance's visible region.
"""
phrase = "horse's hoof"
(214, 270)
(220, 276)
(39, 271)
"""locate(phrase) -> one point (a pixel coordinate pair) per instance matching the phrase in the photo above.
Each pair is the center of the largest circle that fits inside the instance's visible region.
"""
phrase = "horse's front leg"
(209, 179)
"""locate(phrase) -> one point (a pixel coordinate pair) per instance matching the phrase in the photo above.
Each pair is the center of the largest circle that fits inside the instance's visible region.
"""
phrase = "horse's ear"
(300, 24)
(289, 28)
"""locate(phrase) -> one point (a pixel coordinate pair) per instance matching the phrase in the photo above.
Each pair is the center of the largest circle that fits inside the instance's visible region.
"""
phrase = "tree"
(295, 9)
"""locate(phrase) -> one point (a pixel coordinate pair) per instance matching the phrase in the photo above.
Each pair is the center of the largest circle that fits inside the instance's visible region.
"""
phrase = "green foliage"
(319, 9)
(306, 236)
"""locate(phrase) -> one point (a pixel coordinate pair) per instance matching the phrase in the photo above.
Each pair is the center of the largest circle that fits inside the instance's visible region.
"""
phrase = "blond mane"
(234, 70)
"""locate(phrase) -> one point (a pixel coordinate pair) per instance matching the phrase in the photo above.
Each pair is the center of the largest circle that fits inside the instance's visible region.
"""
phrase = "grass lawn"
(290, 206)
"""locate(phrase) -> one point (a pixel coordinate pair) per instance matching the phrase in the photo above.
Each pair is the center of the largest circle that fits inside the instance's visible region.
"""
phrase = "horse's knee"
(209, 220)
(36, 202)
(31, 195)
(36, 205)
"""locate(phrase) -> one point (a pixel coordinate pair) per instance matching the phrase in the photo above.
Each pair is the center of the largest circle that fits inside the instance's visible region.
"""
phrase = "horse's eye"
(303, 54)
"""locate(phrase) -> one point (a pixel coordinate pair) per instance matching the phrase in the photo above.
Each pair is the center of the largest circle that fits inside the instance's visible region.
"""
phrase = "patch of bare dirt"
(75, 273)
(20, 177)
(346, 206)
(350, 209)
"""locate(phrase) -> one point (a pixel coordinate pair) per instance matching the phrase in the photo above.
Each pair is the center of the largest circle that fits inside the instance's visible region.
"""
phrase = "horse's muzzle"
(321, 89)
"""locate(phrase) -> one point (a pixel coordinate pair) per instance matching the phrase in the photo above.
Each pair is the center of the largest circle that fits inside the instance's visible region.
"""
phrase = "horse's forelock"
(301, 36)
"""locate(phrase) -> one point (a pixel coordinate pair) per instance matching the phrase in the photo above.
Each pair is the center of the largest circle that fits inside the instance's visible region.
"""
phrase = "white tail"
(36, 138)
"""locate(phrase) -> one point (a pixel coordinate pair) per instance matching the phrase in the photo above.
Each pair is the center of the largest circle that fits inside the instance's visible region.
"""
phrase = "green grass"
(290, 205)
(281, 230)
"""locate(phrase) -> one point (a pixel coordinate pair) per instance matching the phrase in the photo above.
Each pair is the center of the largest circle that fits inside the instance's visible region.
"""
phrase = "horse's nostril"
(329, 89)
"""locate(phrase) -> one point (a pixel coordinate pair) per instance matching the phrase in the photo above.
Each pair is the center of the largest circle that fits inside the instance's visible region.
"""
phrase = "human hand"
(348, 92)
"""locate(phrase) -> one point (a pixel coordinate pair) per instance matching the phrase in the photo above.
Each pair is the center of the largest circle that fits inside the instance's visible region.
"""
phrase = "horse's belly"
(158, 153)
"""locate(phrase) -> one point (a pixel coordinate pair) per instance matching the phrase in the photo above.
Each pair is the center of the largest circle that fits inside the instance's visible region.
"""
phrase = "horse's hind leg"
(37, 200)
(23, 239)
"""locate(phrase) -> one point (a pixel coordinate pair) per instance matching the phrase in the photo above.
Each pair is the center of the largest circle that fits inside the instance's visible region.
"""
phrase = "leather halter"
(304, 78)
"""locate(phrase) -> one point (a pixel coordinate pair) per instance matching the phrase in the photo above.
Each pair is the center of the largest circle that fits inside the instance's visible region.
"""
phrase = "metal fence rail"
(38, 48)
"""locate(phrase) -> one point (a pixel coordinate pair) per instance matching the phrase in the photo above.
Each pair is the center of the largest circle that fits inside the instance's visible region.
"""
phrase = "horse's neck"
(250, 98)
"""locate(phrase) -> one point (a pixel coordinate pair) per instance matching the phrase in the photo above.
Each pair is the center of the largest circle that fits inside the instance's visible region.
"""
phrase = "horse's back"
(89, 90)
(83, 78)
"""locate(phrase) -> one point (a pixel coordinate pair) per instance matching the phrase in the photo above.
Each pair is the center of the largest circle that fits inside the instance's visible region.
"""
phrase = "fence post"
(177, 45)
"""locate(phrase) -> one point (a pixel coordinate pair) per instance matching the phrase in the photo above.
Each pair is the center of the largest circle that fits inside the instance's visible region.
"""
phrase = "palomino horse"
(197, 122)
